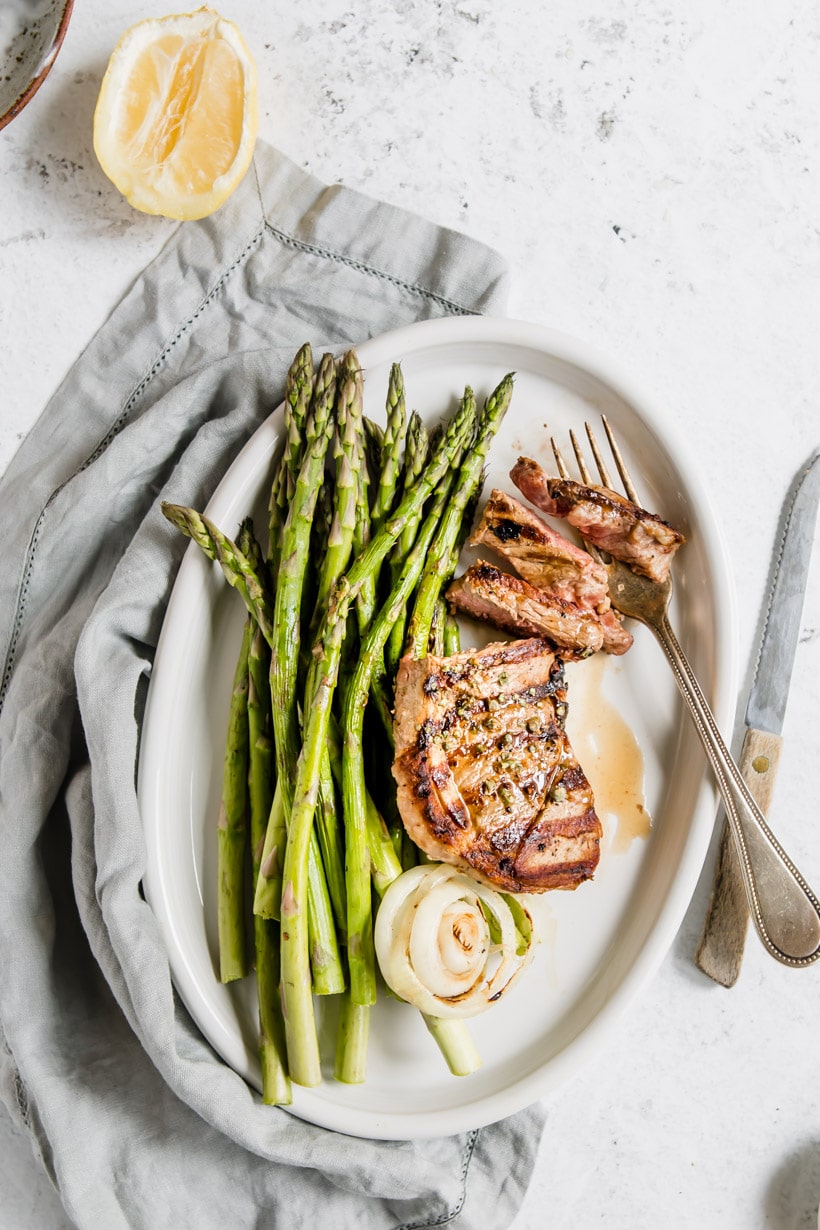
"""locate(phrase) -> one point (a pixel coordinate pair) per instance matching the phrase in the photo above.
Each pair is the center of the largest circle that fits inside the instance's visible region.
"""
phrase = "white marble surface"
(652, 174)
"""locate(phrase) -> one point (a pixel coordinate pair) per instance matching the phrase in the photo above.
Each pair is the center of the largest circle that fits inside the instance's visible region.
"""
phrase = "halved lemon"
(176, 120)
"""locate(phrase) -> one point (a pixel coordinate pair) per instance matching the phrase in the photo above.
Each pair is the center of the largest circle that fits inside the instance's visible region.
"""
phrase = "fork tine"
(560, 463)
(580, 458)
(629, 486)
(599, 461)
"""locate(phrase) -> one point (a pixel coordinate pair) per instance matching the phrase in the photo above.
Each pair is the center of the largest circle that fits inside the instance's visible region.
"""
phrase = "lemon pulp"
(175, 124)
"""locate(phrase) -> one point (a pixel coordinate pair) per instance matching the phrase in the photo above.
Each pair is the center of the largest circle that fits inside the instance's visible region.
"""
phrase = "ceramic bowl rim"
(35, 83)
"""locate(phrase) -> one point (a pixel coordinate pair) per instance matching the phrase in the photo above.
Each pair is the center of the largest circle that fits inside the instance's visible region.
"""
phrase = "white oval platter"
(599, 944)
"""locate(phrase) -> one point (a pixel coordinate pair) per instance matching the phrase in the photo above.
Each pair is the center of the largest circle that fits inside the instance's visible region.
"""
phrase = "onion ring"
(434, 942)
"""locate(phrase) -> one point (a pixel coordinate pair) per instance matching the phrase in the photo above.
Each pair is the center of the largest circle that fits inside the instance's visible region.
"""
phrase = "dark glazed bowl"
(31, 34)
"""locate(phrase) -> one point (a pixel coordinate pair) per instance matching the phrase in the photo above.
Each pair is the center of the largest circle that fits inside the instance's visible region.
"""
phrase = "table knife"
(720, 952)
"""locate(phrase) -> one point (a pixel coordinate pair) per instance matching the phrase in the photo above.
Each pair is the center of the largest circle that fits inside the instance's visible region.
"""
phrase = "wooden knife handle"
(720, 953)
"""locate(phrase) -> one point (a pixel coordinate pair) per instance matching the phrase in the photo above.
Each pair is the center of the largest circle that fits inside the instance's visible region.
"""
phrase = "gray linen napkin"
(136, 1120)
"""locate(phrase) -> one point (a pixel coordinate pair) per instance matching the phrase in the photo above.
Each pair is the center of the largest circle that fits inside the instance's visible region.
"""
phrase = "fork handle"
(785, 911)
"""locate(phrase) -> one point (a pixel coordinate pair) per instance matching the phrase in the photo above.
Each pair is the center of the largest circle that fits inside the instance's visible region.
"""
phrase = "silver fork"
(785, 911)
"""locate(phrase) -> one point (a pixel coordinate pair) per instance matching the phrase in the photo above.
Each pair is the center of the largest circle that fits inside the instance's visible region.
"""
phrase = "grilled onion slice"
(447, 944)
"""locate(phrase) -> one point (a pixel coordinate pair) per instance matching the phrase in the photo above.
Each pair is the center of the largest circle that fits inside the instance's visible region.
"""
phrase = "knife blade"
(720, 952)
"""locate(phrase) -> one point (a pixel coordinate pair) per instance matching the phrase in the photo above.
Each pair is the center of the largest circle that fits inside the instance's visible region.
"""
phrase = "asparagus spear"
(272, 1052)
(351, 1041)
(276, 1088)
(377, 832)
(392, 444)
(260, 758)
(298, 404)
(285, 638)
(452, 635)
(374, 436)
(303, 1051)
(415, 458)
(236, 567)
(298, 386)
(348, 415)
(349, 531)
(294, 553)
(232, 828)
(440, 563)
(328, 828)
(268, 882)
(418, 447)
(382, 701)
(445, 634)
(322, 522)
(331, 846)
(455, 1044)
(389, 471)
(362, 531)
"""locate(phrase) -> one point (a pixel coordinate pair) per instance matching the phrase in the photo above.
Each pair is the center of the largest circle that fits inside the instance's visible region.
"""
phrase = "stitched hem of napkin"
(302, 245)
(454, 1212)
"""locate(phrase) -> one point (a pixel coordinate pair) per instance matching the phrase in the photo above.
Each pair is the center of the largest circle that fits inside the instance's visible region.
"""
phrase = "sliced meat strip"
(487, 779)
(515, 606)
(540, 554)
(548, 561)
(610, 521)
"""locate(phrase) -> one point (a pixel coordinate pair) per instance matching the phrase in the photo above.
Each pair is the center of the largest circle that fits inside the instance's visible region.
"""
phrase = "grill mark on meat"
(486, 776)
(508, 531)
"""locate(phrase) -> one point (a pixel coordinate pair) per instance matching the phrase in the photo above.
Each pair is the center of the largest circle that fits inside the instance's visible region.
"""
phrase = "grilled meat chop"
(486, 776)
(549, 562)
(487, 593)
(610, 521)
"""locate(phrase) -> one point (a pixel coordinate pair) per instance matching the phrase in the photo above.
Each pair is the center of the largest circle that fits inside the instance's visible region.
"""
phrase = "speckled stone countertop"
(652, 175)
